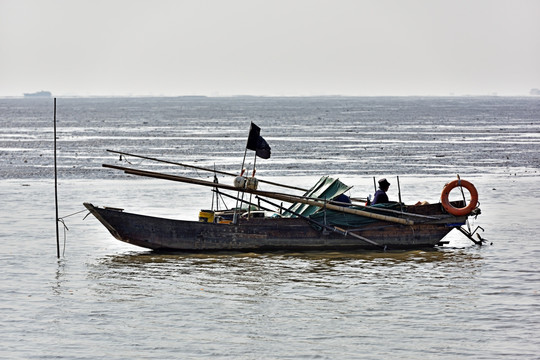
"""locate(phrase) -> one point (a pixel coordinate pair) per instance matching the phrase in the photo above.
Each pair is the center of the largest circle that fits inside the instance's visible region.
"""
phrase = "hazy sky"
(272, 47)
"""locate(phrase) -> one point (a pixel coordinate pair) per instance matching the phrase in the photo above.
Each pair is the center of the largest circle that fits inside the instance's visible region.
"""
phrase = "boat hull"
(266, 234)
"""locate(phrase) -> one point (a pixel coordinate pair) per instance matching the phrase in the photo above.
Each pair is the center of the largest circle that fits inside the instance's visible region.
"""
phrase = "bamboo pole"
(201, 168)
(56, 187)
(273, 195)
(399, 194)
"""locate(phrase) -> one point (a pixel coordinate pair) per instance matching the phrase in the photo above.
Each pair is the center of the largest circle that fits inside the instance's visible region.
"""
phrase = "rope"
(66, 229)
(65, 235)
(461, 188)
(78, 212)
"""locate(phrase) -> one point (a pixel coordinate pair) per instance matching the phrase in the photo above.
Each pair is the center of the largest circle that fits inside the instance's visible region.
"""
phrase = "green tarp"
(326, 188)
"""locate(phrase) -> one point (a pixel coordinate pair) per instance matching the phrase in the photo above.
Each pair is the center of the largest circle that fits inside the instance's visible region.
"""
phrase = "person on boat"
(380, 195)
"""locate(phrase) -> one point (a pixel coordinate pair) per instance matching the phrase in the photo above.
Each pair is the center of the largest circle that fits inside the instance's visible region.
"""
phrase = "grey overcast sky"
(271, 47)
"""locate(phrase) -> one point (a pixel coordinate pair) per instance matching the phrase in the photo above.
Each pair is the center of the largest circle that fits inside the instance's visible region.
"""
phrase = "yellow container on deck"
(206, 216)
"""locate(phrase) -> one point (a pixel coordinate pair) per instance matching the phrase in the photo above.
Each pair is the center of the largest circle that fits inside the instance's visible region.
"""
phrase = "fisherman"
(380, 195)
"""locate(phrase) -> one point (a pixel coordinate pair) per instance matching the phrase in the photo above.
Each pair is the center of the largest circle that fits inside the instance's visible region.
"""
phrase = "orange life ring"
(454, 210)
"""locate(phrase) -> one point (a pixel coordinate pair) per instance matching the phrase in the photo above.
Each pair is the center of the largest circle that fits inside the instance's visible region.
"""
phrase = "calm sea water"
(106, 299)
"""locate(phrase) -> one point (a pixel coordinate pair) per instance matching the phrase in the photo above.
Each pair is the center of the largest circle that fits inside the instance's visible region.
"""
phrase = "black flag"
(254, 133)
(263, 149)
(257, 143)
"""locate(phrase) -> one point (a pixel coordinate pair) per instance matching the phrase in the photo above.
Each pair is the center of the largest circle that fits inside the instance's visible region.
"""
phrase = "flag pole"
(235, 214)
(254, 163)
(245, 150)
(253, 176)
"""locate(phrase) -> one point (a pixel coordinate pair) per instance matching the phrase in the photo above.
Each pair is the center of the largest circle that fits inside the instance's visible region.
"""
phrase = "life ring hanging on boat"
(454, 210)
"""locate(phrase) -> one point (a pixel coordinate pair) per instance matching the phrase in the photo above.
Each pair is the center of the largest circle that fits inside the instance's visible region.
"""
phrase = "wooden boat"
(317, 220)
(329, 225)
(267, 234)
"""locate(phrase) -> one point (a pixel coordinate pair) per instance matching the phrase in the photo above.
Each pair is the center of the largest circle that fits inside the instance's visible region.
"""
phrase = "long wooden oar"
(273, 195)
(203, 169)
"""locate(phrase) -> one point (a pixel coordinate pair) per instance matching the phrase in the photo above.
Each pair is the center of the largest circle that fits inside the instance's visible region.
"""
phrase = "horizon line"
(67, 96)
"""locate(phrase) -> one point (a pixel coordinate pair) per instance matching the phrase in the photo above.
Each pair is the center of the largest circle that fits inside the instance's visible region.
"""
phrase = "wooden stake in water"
(56, 187)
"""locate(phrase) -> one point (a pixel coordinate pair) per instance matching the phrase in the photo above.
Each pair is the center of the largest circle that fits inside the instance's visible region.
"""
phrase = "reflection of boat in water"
(322, 218)
(321, 260)
(138, 257)
(39, 94)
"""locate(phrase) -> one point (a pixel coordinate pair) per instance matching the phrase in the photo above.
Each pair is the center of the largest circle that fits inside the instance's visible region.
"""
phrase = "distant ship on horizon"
(42, 94)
